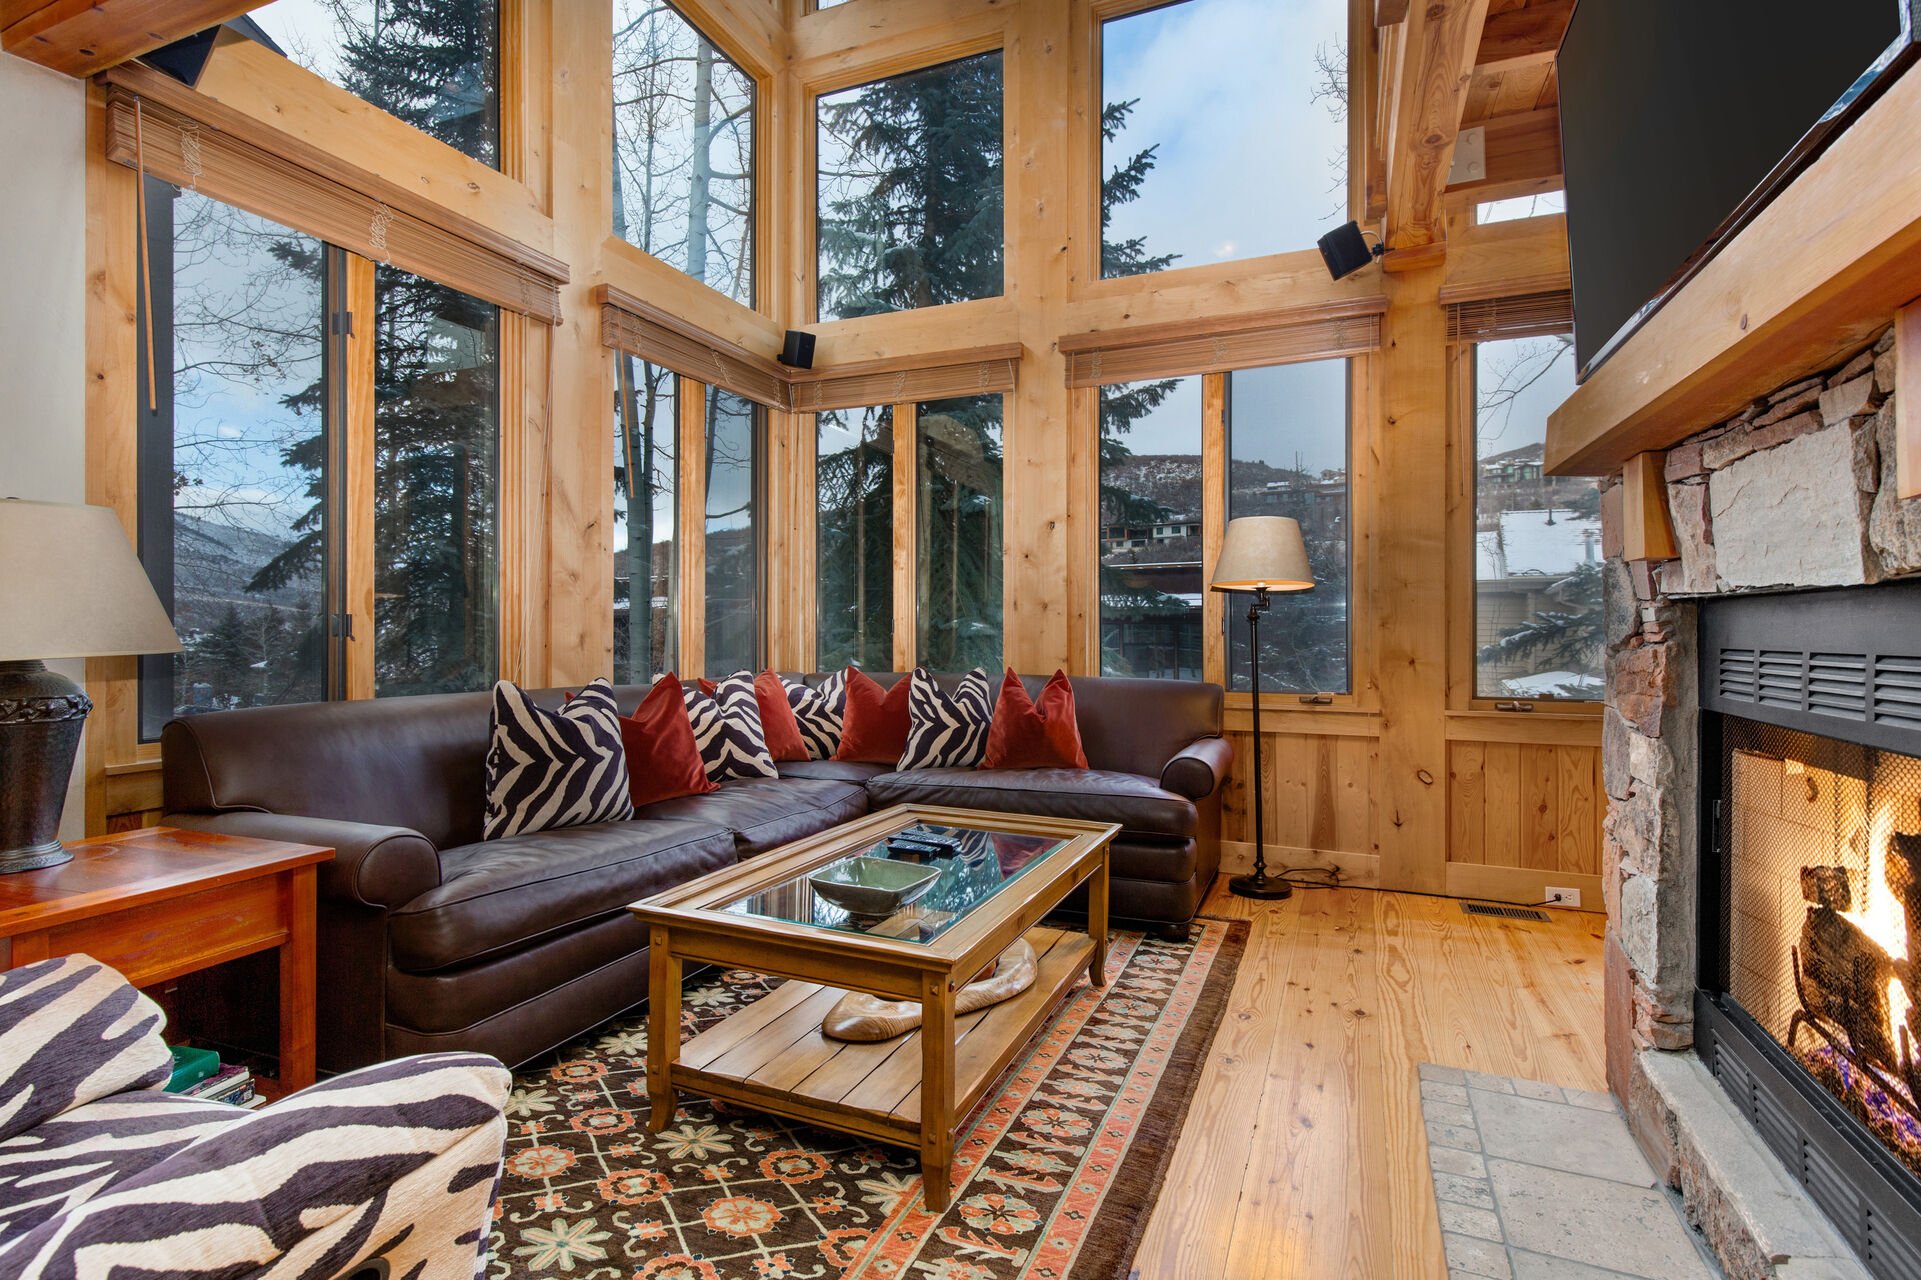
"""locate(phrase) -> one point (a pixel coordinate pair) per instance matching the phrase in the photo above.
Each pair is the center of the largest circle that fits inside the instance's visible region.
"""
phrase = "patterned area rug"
(1054, 1179)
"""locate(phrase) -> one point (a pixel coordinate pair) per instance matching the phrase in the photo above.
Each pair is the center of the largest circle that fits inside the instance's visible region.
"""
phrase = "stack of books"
(233, 1083)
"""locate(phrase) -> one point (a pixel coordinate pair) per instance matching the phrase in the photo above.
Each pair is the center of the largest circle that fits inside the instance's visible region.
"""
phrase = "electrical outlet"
(1558, 897)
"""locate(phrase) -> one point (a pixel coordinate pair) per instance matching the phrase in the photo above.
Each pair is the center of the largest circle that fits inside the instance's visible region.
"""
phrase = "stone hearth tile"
(1492, 1084)
(1466, 1220)
(1461, 1163)
(1447, 1113)
(1539, 1090)
(1539, 1266)
(1467, 1256)
(1442, 1075)
(1558, 1136)
(1457, 1189)
(1590, 1099)
(1596, 1221)
(1435, 1091)
(1461, 1139)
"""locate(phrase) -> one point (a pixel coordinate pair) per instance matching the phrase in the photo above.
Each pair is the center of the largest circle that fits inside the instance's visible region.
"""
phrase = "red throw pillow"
(1030, 735)
(663, 760)
(778, 724)
(874, 727)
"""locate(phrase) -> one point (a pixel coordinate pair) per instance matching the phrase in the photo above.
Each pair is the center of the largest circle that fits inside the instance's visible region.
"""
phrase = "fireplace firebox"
(1809, 1002)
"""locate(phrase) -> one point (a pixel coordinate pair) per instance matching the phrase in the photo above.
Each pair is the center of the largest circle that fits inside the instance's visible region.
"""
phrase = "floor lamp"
(1260, 554)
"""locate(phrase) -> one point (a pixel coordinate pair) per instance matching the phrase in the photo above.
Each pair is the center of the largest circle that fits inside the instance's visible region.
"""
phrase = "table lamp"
(1260, 554)
(70, 587)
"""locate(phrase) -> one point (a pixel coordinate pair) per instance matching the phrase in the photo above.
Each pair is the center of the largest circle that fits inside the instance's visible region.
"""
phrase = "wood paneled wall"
(1405, 783)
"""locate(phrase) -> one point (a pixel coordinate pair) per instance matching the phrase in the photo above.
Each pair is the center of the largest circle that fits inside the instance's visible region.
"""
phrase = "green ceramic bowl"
(869, 886)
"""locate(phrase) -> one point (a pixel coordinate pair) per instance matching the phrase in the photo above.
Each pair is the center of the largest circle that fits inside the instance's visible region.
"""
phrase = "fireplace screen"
(1823, 894)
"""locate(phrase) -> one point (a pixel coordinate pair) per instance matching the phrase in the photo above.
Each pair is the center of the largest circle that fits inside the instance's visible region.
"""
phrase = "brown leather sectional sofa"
(432, 939)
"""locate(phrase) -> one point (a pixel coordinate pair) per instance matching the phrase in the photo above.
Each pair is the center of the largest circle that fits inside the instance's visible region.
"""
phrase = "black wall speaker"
(1346, 251)
(797, 351)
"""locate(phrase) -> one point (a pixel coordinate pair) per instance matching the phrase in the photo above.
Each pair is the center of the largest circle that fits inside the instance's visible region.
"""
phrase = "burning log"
(1844, 973)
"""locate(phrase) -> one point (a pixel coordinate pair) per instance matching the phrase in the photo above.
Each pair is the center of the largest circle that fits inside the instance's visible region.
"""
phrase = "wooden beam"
(1390, 13)
(1811, 279)
(1507, 259)
(1437, 66)
(80, 37)
(1527, 37)
(1907, 400)
(1523, 154)
(1646, 532)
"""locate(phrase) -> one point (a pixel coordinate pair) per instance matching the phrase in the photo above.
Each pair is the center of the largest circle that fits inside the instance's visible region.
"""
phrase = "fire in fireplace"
(1824, 880)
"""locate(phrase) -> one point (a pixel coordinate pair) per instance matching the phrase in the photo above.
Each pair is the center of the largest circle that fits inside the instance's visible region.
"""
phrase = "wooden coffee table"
(915, 1089)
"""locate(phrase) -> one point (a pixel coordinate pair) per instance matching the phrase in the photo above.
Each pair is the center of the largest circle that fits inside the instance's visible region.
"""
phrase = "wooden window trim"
(935, 375)
(1329, 331)
(195, 142)
(630, 324)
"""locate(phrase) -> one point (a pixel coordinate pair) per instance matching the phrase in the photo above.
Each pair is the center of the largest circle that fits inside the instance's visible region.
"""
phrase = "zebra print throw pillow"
(548, 769)
(946, 730)
(727, 730)
(819, 713)
(73, 1031)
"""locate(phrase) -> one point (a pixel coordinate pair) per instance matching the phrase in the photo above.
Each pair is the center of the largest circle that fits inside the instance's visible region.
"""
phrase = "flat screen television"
(1680, 119)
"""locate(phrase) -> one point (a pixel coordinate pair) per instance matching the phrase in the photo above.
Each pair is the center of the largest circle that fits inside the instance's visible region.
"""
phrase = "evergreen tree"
(432, 63)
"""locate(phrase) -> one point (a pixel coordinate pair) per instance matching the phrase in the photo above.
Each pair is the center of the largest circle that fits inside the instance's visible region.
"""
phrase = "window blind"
(1529, 315)
(631, 325)
(1175, 350)
(976, 371)
(224, 155)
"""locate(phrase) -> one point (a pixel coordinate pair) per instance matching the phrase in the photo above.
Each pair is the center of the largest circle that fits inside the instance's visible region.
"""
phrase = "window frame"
(1463, 696)
(759, 147)
(348, 430)
(812, 90)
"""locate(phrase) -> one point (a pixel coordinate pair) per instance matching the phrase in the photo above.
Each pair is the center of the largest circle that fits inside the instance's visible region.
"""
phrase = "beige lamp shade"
(1263, 553)
(71, 586)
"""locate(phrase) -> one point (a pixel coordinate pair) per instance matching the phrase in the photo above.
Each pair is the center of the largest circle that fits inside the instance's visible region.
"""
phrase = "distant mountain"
(1173, 480)
(1526, 453)
(214, 562)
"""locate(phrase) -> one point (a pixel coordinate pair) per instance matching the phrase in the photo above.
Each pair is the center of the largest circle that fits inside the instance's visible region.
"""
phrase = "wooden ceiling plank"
(1528, 37)
(1442, 38)
(81, 37)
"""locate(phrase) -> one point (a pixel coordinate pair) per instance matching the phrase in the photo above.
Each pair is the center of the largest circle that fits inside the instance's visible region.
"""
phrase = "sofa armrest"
(1198, 768)
(374, 865)
(397, 1162)
(73, 1031)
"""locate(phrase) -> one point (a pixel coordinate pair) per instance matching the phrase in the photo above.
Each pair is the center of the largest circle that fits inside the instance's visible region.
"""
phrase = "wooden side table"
(161, 902)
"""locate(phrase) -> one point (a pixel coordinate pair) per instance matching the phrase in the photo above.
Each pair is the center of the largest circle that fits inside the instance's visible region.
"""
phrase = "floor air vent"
(1502, 911)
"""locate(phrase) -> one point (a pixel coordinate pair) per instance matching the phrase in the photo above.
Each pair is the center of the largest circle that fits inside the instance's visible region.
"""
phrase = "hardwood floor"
(1305, 1154)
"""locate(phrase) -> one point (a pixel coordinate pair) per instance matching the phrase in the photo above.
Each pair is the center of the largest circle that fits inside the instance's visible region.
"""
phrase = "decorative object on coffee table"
(1260, 554)
(862, 1018)
(72, 588)
(1000, 873)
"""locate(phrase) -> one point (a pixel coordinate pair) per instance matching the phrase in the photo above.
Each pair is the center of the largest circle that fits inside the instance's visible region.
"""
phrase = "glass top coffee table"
(818, 913)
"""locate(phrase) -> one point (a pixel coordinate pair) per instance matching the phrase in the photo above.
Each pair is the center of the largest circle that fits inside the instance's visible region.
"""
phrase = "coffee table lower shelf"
(772, 1056)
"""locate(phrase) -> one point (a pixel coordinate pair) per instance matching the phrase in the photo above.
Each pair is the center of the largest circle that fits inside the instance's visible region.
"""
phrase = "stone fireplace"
(1764, 1023)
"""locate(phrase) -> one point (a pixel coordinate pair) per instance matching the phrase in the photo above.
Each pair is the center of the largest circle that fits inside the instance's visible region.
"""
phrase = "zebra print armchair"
(387, 1171)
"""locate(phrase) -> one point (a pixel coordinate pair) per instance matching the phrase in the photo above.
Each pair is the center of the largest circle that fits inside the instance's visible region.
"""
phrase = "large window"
(646, 430)
(909, 196)
(1150, 493)
(231, 459)
(1222, 129)
(683, 148)
(1287, 455)
(732, 441)
(958, 543)
(854, 588)
(433, 63)
(1537, 538)
(246, 484)
(436, 451)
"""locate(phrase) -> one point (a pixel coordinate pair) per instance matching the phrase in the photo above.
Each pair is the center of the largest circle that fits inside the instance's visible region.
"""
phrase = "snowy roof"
(1526, 543)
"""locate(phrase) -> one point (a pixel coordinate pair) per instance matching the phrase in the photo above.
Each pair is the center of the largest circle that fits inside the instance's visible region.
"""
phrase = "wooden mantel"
(1816, 274)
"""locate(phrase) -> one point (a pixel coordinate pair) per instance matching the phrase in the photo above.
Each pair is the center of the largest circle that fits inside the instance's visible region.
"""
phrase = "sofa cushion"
(834, 770)
(503, 893)
(550, 769)
(62, 1163)
(1094, 795)
(73, 1031)
(818, 713)
(947, 730)
(763, 813)
(726, 723)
